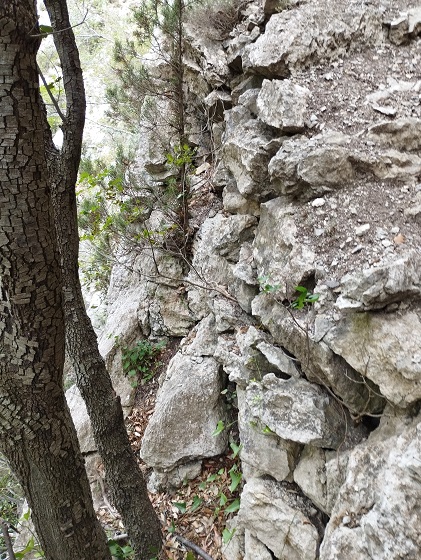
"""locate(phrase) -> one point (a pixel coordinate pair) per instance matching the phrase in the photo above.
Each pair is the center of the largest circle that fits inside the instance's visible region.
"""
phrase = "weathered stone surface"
(310, 475)
(263, 454)
(317, 360)
(234, 550)
(278, 255)
(403, 133)
(235, 203)
(312, 33)
(247, 151)
(405, 27)
(278, 519)
(210, 54)
(376, 287)
(278, 360)
(311, 167)
(255, 549)
(298, 411)
(283, 104)
(201, 340)
(173, 437)
(377, 513)
(414, 210)
(389, 351)
(390, 164)
(163, 480)
(217, 235)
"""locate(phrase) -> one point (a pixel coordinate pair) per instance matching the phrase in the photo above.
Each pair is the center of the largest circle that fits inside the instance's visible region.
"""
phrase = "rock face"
(314, 115)
(191, 384)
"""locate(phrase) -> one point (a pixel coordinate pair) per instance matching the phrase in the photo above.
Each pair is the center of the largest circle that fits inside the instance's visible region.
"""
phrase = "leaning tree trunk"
(37, 434)
(123, 476)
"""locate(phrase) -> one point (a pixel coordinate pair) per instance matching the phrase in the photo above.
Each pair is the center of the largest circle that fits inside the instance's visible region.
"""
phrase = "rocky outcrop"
(317, 121)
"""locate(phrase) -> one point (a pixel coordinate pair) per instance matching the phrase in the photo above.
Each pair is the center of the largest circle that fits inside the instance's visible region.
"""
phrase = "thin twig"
(51, 96)
(61, 30)
(193, 547)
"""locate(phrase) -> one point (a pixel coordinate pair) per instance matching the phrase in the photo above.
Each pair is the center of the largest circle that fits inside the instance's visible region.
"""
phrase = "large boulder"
(311, 167)
(280, 258)
(283, 104)
(311, 33)
(299, 411)
(377, 287)
(295, 332)
(188, 407)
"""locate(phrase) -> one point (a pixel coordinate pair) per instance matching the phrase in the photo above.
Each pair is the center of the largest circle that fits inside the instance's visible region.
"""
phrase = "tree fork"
(36, 431)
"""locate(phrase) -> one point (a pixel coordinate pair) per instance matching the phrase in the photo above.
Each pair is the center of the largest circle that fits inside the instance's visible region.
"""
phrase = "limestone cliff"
(311, 178)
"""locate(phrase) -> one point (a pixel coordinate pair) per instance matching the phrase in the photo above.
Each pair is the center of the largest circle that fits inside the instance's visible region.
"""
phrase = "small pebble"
(361, 230)
(318, 202)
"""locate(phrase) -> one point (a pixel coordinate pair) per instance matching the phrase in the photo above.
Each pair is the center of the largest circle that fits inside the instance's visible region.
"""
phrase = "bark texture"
(37, 434)
(123, 476)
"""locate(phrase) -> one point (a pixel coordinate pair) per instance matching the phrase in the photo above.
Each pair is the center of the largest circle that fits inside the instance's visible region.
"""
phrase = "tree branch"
(193, 547)
(7, 539)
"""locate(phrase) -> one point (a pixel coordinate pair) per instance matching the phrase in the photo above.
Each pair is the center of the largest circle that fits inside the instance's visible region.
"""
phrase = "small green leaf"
(220, 427)
(212, 478)
(190, 556)
(301, 289)
(235, 506)
(45, 29)
(222, 499)
(236, 477)
(235, 449)
(267, 431)
(227, 535)
(180, 506)
(197, 502)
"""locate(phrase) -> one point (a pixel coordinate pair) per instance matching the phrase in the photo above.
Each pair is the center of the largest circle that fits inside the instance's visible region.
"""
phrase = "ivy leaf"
(235, 449)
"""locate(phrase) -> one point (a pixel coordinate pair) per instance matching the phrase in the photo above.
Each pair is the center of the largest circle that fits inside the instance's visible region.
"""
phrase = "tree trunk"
(123, 476)
(37, 434)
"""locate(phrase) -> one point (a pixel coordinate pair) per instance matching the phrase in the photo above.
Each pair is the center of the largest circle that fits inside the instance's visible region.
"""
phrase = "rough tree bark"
(123, 476)
(37, 434)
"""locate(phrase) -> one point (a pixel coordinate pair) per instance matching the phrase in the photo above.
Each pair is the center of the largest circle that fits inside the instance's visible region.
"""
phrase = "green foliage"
(227, 535)
(266, 286)
(124, 552)
(140, 360)
(10, 496)
(181, 155)
(304, 298)
(31, 547)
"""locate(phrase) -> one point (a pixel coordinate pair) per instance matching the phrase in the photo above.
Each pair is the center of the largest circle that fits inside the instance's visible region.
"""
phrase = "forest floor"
(197, 511)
